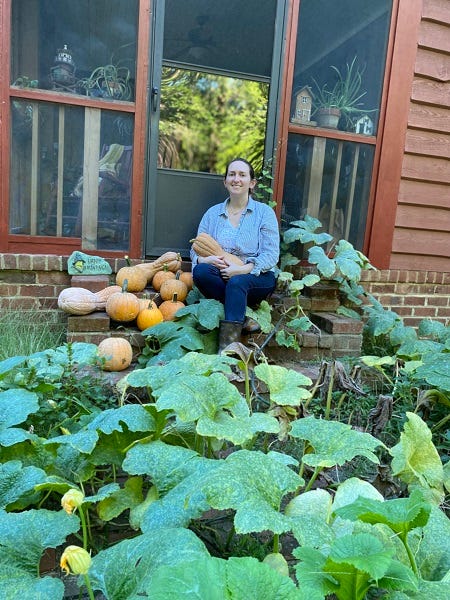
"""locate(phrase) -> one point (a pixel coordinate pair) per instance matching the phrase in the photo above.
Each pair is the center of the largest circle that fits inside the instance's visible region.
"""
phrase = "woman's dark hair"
(250, 168)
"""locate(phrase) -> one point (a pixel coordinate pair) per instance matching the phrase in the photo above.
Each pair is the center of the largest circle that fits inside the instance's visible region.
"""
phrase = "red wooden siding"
(422, 224)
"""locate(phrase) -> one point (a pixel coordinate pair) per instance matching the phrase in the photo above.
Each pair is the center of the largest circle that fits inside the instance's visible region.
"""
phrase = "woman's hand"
(231, 270)
(216, 261)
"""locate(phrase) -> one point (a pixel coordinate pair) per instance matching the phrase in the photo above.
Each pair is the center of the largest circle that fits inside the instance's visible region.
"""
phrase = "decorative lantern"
(62, 73)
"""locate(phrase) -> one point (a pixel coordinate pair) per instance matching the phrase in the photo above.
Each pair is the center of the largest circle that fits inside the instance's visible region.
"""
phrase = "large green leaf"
(435, 370)
(7, 365)
(24, 536)
(310, 515)
(134, 417)
(333, 443)
(236, 429)
(122, 499)
(400, 514)
(216, 579)
(207, 312)
(437, 590)
(178, 474)
(15, 406)
(286, 386)
(18, 585)
(326, 266)
(127, 568)
(252, 484)
(16, 480)
(431, 546)
(263, 314)
(415, 458)
(175, 339)
(198, 396)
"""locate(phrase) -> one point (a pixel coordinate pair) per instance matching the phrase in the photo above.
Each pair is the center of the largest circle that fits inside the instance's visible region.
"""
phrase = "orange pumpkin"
(145, 301)
(116, 352)
(123, 306)
(169, 308)
(186, 277)
(160, 277)
(136, 278)
(149, 316)
(171, 287)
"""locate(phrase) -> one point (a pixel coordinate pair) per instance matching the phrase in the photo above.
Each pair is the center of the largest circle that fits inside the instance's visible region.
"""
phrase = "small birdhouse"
(303, 106)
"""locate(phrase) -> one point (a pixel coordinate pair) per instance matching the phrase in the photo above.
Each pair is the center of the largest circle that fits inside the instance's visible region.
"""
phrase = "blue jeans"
(235, 293)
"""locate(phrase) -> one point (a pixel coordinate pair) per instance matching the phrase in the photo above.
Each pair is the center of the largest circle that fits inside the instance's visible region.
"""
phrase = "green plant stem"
(330, 392)
(276, 543)
(83, 527)
(412, 560)
(247, 387)
(87, 582)
(314, 476)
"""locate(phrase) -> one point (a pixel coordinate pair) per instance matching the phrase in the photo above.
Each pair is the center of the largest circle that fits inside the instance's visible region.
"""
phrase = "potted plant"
(341, 100)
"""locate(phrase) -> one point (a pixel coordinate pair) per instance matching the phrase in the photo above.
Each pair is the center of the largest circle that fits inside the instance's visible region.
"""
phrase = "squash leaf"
(208, 312)
(24, 536)
(119, 500)
(252, 484)
(218, 579)
(435, 370)
(16, 480)
(286, 386)
(177, 474)
(400, 514)
(15, 406)
(415, 458)
(174, 340)
(126, 569)
(333, 443)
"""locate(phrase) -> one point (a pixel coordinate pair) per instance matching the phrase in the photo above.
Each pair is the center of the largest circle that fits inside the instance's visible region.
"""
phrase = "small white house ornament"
(303, 106)
(364, 125)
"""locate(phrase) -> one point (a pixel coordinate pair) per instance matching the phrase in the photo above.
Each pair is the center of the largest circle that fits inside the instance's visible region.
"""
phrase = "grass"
(23, 332)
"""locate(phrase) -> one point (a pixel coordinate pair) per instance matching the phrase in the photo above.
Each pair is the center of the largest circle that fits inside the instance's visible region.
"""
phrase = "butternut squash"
(170, 260)
(79, 301)
(205, 245)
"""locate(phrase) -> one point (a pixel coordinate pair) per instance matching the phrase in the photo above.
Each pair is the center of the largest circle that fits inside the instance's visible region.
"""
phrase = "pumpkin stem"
(127, 260)
(125, 285)
(175, 297)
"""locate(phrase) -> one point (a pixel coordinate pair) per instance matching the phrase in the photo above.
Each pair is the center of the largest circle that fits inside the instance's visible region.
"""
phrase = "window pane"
(205, 119)
(208, 35)
(330, 180)
(80, 47)
(64, 159)
(340, 62)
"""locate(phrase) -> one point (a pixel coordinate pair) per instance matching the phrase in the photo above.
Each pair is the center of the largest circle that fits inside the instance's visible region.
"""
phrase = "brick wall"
(35, 281)
(413, 295)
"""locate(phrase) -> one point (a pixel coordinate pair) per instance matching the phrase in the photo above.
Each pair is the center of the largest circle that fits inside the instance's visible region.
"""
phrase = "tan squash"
(171, 260)
(123, 306)
(116, 353)
(149, 317)
(79, 301)
(206, 245)
(169, 308)
(137, 280)
(171, 287)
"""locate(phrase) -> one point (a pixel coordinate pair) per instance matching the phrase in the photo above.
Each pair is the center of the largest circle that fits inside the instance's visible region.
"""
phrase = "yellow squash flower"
(75, 560)
(72, 499)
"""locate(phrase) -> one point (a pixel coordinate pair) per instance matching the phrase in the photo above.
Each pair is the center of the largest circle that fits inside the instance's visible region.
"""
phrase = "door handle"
(154, 98)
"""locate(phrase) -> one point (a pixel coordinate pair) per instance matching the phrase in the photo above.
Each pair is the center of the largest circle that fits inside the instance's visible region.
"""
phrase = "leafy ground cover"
(198, 475)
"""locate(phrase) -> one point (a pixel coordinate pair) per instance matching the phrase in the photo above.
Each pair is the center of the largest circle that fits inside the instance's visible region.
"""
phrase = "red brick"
(438, 300)
(91, 323)
(324, 304)
(54, 277)
(425, 312)
(414, 300)
(37, 290)
(54, 263)
(39, 262)
(421, 276)
(94, 283)
(91, 338)
(10, 261)
(332, 323)
(24, 262)
(442, 289)
(388, 288)
(444, 312)
(23, 303)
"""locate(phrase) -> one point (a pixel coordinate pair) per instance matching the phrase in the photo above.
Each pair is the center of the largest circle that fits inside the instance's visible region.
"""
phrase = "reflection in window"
(208, 119)
(67, 183)
(330, 180)
(85, 48)
(339, 65)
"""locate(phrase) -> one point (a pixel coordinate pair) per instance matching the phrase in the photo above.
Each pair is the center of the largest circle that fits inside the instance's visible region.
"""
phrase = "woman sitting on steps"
(248, 229)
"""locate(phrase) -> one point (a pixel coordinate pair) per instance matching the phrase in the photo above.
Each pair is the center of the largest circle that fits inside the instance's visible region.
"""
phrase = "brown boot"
(250, 326)
(229, 332)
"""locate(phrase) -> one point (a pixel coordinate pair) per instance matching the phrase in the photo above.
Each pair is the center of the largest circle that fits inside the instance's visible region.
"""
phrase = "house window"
(86, 48)
(339, 68)
(71, 156)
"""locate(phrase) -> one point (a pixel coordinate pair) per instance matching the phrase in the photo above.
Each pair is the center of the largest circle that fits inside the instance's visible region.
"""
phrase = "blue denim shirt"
(257, 237)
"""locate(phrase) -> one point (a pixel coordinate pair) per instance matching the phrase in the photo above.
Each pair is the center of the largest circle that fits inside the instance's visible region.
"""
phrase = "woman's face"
(238, 180)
